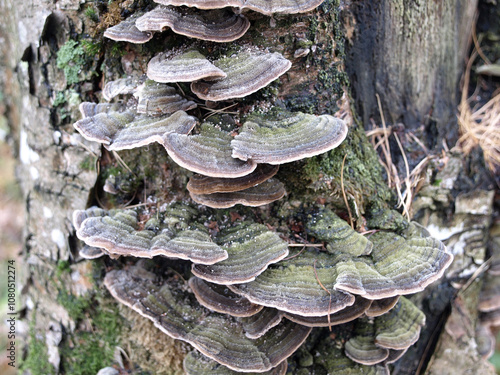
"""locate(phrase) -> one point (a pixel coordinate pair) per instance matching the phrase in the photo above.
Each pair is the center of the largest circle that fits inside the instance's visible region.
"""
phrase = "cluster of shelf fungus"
(251, 302)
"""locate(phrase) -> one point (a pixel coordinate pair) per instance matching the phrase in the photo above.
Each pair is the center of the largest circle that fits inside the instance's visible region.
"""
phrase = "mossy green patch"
(362, 174)
(70, 58)
(88, 163)
(86, 352)
(36, 361)
(91, 346)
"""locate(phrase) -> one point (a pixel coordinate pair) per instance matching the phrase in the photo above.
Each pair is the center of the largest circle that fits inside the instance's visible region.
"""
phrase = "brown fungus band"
(126, 31)
(262, 6)
(220, 25)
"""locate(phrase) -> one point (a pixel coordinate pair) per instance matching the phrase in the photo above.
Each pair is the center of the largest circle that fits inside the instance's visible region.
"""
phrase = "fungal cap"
(207, 153)
(199, 184)
(361, 347)
(265, 7)
(395, 266)
(158, 98)
(282, 137)
(126, 31)
(166, 305)
(259, 195)
(196, 363)
(89, 252)
(118, 233)
(88, 109)
(381, 306)
(125, 130)
(213, 25)
(257, 325)
(292, 286)
(326, 226)
(220, 299)
(400, 327)
(182, 66)
(121, 86)
(345, 315)
(251, 249)
(246, 73)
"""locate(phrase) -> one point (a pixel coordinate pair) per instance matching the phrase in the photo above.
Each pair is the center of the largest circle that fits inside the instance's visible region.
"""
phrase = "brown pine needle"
(326, 290)
(121, 162)
(296, 255)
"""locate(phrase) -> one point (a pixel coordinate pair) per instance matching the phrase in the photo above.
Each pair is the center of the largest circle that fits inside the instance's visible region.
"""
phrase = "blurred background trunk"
(409, 54)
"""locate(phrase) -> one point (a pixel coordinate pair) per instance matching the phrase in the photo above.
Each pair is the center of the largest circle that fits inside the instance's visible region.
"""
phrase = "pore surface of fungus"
(199, 184)
(207, 153)
(259, 195)
(217, 336)
(126, 31)
(282, 137)
(220, 299)
(246, 73)
(262, 6)
(182, 66)
(126, 130)
(345, 315)
(250, 247)
(381, 306)
(214, 25)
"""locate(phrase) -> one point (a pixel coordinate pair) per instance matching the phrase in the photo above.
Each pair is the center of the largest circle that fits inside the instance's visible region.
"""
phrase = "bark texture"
(408, 52)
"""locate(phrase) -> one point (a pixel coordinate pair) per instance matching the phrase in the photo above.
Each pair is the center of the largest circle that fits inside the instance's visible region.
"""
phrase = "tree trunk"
(409, 53)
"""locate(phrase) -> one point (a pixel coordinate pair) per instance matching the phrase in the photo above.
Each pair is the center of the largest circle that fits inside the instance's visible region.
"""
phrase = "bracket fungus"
(126, 130)
(326, 226)
(247, 306)
(259, 195)
(265, 7)
(292, 286)
(251, 248)
(357, 309)
(121, 86)
(126, 31)
(158, 98)
(117, 232)
(217, 336)
(388, 336)
(200, 184)
(88, 109)
(220, 299)
(182, 66)
(213, 25)
(257, 325)
(196, 363)
(282, 137)
(207, 153)
(246, 72)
